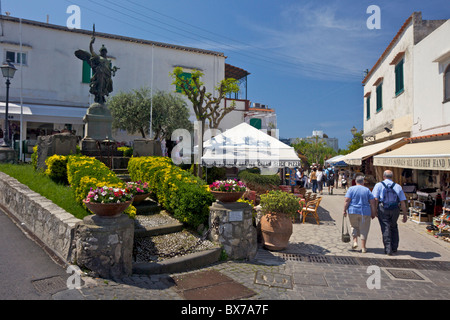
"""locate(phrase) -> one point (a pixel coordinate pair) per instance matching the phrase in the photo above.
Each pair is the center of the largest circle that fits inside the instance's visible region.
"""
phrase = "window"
(186, 76)
(380, 97)
(16, 57)
(86, 73)
(399, 83)
(447, 84)
(368, 107)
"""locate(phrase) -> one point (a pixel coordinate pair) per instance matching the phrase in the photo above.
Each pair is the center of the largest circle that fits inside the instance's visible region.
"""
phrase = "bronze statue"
(101, 80)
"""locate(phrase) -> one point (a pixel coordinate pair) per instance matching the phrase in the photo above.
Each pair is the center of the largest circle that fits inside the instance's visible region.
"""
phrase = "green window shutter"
(255, 122)
(184, 75)
(368, 107)
(86, 73)
(399, 81)
(380, 97)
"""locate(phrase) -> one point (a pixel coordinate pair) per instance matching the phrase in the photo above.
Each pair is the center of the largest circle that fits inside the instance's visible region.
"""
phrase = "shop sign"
(414, 163)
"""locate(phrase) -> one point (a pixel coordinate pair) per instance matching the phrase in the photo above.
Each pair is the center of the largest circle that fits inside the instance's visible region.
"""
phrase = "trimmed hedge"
(259, 183)
(83, 173)
(185, 196)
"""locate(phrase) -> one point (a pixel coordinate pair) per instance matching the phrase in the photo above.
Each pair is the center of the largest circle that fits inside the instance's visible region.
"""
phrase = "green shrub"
(127, 151)
(179, 192)
(34, 156)
(259, 183)
(57, 168)
(84, 173)
(279, 202)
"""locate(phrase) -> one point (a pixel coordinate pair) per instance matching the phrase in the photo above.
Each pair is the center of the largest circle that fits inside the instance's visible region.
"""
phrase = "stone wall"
(54, 226)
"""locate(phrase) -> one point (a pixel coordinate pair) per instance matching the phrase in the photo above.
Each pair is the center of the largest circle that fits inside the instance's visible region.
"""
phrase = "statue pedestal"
(98, 122)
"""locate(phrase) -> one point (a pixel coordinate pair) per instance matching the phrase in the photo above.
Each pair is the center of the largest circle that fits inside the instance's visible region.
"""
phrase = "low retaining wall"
(51, 224)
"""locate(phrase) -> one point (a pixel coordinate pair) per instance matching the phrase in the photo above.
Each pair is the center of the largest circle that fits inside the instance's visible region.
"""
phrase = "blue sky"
(306, 58)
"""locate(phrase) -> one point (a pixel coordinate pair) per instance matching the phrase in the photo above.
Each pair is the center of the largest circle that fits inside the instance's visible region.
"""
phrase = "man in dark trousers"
(388, 196)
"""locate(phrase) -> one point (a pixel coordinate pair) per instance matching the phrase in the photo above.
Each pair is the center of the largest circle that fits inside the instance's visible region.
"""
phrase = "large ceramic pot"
(107, 210)
(227, 196)
(276, 229)
(138, 198)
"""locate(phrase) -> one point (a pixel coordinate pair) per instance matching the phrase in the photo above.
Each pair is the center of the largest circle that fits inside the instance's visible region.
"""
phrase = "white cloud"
(323, 41)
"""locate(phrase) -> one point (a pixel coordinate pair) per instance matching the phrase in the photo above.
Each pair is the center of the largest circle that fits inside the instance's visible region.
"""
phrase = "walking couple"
(383, 202)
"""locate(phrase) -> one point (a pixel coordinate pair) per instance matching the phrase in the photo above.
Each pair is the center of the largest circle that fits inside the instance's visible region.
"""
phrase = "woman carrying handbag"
(360, 205)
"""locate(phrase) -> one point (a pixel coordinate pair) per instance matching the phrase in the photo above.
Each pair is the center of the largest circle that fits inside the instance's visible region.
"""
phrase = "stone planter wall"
(54, 226)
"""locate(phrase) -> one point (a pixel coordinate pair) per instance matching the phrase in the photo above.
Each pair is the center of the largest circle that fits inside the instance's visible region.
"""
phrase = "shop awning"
(431, 155)
(336, 161)
(356, 157)
(44, 113)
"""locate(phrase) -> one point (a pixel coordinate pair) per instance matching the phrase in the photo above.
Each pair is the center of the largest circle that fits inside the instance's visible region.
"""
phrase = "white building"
(52, 85)
(406, 108)
(406, 82)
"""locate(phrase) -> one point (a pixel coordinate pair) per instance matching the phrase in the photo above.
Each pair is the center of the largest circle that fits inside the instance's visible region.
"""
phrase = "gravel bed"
(154, 220)
(153, 249)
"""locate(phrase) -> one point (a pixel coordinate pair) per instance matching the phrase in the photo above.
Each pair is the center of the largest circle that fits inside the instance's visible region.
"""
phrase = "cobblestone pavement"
(315, 266)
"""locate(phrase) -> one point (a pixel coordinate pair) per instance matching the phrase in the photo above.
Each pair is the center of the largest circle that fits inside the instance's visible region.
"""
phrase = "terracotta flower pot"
(227, 196)
(138, 198)
(276, 230)
(107, 210)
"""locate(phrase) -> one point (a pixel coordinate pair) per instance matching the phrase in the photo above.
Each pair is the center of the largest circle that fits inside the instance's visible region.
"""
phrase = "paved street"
(316, 265)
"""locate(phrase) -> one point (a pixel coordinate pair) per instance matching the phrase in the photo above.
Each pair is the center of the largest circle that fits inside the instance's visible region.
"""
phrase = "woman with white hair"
(360, 206)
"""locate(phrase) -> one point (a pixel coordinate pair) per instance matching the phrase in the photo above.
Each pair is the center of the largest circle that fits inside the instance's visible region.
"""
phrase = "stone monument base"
(60, 144)
(236, 232)
(8, 155)
(105, 245)
(146, 147)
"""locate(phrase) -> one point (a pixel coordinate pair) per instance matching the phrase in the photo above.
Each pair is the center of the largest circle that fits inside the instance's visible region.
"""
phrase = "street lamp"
(353, 130)
(8, 71)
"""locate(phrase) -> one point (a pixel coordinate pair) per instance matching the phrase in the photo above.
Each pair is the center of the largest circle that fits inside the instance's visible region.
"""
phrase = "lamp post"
(353, 130)
(8, 71)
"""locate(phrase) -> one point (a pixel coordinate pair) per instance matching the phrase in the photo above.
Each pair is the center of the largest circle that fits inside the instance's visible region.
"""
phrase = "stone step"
(147, 207)
(155, 224)
(160, 242)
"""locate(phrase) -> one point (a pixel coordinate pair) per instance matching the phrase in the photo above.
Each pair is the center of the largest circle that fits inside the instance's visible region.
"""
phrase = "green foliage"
(129, 110)
(127, 151)
(34, 156)
(59, 194)
(84, 173)
(279, 202)
(354, 144)
(205, 104)
(176, 190)
(315, 151)
(57, 168)
(257, 182)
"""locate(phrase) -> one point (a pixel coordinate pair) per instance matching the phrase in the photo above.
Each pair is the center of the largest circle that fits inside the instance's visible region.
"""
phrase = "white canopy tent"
(244, 146)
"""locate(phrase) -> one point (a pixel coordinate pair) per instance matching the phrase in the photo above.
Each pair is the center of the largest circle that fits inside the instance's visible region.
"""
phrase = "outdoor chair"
(299, 192)
(310, 209)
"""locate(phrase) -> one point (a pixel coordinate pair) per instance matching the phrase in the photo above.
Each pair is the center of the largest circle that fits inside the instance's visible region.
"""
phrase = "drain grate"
(402, 274)
(345, 260)
(272, 279)
(319, 259)
(49, 285)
